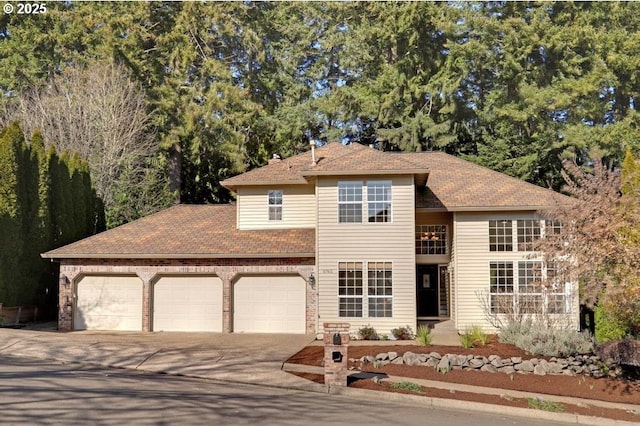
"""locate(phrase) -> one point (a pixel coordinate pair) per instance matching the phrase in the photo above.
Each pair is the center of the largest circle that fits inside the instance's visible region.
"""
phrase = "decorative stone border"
(590, 365)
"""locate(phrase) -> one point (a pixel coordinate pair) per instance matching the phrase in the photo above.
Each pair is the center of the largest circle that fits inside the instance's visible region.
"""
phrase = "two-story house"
(339, 233)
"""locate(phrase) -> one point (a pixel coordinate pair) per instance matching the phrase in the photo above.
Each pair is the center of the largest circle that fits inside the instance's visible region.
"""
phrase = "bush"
(607, 326)
(466, 340)
(473, 336)
(402, 333)
(423, 335)
(368, 333)
(537, 339)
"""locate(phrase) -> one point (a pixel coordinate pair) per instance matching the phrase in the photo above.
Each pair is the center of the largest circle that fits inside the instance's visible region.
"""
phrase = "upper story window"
(528, 233)
(379, 201)
(350, 202)
(500, 235)
(431, 239)
(275, 205)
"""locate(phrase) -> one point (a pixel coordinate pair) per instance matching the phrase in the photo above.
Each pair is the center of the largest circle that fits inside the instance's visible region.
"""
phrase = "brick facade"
(148, 270)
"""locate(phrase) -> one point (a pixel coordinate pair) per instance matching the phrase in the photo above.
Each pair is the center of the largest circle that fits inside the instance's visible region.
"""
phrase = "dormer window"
(275, 205)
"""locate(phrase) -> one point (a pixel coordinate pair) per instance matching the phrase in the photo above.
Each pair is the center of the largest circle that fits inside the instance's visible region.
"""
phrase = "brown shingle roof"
(288, 170)
(456, 184)
(190, 231)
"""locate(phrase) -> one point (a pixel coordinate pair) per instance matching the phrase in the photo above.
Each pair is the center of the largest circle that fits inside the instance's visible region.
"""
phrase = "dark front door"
(427, 290)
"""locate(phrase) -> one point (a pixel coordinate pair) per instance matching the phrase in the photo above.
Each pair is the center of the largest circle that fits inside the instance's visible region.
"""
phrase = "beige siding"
(298, 207)
(471, 265)
(364, 242)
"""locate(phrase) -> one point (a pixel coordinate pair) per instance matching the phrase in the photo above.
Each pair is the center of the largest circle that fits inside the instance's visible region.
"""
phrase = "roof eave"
(363, 172)
(497, 208)
(233, 186)
(53, 256)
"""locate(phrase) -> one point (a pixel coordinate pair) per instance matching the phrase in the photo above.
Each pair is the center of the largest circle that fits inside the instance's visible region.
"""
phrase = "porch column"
(227, 277)
(147, 294)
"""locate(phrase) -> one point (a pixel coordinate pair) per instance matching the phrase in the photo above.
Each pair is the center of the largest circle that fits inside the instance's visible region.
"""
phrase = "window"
(380, 289)
(528, 233)
(379, 201)
(501, 287)
(350, 289)
(533, 294)
(556, 290)
(431, 239)
(529, 298)
(275, 205)
(552, 227)
(500, 235)
(350, 202)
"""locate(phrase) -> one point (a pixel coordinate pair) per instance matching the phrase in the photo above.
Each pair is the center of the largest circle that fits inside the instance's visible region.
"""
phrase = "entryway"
(432, 291)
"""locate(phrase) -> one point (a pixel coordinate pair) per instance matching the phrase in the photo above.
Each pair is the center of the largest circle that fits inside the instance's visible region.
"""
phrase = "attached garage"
(108, 303)
(187, 303)
(269, 304)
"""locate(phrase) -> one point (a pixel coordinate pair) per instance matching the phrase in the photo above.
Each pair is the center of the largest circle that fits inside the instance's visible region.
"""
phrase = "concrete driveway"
(243, 358)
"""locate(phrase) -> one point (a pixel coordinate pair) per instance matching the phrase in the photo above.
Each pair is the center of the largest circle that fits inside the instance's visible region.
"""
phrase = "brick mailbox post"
(336, 359)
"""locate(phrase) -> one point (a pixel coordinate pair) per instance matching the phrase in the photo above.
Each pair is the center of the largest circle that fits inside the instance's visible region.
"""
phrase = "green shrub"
(368, 333)
(403, 333)
(538, 339)
(541, 404)
(473, 336)
(410, 386)
(479, 336)
(607, 326)
(466, 340)
(423, 335)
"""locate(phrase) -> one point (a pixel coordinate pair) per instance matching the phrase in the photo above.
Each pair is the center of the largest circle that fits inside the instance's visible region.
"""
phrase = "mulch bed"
(604, 389)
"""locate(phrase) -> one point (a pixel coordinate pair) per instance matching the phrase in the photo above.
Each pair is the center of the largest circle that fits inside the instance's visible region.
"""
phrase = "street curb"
(469, 406)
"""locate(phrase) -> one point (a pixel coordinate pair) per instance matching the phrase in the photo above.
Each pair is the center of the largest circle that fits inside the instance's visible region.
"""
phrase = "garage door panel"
(269, 304)
(187, 304)
(109, 303)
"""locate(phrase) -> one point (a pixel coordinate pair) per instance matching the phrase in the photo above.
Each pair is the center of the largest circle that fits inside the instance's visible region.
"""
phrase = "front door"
(427, 290)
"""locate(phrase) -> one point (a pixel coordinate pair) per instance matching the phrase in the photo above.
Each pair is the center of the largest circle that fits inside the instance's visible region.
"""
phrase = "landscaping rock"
(476, 363)
(435, 355)
(382, 356)
(398, 360)
(497, 362)
(410, 358)
(444, 366)
(516, 359)
(393, 355)
(490, 368)
(525, 366)
(508, 370)
(540, 370)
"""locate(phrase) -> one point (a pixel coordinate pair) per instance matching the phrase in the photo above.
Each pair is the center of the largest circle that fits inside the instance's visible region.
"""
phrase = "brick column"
(227, 325)
(336, 357)
(147, 294)
(66, 299)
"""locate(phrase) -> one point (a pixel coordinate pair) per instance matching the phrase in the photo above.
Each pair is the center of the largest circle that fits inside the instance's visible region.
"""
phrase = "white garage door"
(187, 304)
(109, 303)
(269, 304)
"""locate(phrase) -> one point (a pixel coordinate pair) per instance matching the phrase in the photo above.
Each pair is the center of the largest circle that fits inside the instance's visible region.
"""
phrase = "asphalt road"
(39, 392)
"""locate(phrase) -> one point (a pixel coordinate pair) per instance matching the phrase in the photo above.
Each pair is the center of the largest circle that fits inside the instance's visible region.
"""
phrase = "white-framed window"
(379, 201)
(431, 239)
(500, 235)
(528, 232)
(350, 202)
(350, 289)
(380, 289)
(358, 297)
(275, 204)
(539, 289)
(501, 290)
